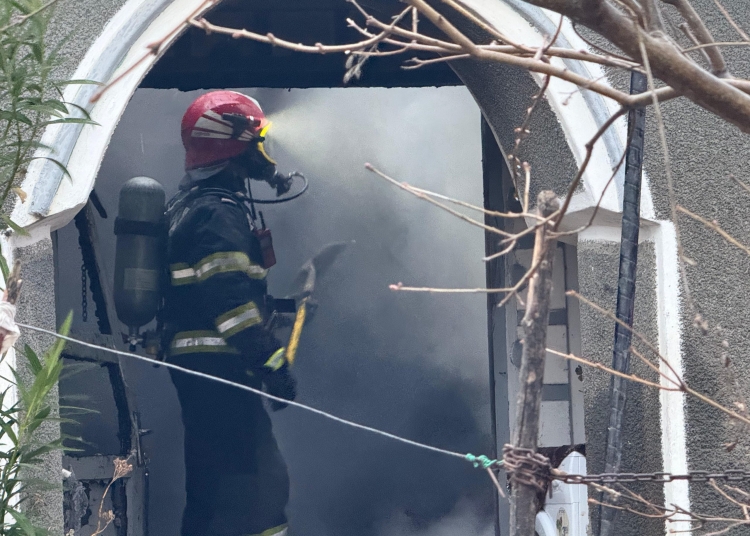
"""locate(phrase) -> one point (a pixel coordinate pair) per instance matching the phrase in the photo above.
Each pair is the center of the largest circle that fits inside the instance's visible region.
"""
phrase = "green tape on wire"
(482, 461)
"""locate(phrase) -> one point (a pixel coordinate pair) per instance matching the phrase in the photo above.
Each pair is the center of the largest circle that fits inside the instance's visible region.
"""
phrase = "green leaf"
(23, 118)
(78, 81)
(4, 267)
(81, 109)
(45, 110)
(68, 120)
(24, 9)
(33, 455)
(38, 51)
(13, 225)
(53, 355)
(23, 522)
(33, 359)
(9, 432)
(56, 162)
(57, 105)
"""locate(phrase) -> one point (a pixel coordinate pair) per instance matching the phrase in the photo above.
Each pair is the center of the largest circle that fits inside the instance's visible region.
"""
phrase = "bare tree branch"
(685, 77)
(715, 226)
(731, 21)
(700, 31)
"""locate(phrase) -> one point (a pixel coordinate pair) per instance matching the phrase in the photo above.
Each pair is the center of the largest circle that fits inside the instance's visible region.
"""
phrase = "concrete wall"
(704, 152)
(597, 278)
(44, 500)
(504, 95)
(78, 24)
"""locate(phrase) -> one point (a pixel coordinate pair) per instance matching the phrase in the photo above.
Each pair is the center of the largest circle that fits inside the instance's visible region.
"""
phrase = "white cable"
(247, 388)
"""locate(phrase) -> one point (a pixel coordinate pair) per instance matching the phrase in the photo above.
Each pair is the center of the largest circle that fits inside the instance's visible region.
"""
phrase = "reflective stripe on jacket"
(218, 282)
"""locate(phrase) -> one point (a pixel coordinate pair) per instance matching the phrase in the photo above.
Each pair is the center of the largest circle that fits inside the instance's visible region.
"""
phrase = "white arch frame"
(54, 200)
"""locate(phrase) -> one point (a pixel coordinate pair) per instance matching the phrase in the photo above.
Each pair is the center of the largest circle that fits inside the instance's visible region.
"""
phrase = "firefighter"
(236, 478)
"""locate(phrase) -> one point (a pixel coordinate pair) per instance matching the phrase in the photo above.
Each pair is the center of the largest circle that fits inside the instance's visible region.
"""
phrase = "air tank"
(139, 255)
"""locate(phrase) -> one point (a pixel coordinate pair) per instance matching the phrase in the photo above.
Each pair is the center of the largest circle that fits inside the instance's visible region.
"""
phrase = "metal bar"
(625, 293)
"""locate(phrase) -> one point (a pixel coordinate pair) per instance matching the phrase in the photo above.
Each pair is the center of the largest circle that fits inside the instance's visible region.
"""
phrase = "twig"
(400, 287)
(23, 18)
(443, 25)
(598, 203)
(612, 316)
(700, 32)
(271, 39)
(122, 469)
(739, 182)
(497, 484)
(492, 213)
(525, 502)
(678, 382)
(494, 32)
(609, 370)
(597, 47)
(533, 65)
(418, 63)
(724, 494)
(446, 208)
(13, 284)
(521, 134)
(715, 226)
(731, 21)
(589, 151)
(667, 171)
(684, 387)
(718, 44)
(689, 34)
(155, 48)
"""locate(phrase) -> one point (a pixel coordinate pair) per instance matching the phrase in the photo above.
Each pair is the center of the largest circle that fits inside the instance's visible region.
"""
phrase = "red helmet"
(221, 125)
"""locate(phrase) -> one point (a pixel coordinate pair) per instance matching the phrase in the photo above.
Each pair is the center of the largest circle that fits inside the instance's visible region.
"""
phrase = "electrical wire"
(465, 457)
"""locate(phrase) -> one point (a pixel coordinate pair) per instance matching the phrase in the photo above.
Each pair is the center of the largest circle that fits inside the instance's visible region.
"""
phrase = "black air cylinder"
(140, 251)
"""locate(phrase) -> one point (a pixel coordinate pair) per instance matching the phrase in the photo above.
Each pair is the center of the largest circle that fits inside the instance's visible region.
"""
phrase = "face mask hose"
(283, 183)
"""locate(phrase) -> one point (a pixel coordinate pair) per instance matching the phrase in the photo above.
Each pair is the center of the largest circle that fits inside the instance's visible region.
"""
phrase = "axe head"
(315, 268)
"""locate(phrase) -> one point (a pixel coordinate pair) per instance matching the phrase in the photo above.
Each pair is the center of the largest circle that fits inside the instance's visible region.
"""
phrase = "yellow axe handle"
(299, 322)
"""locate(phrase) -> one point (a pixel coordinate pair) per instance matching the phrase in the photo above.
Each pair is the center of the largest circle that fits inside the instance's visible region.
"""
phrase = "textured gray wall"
(504, 93)
(704, 152)
(597, 278)
(78, 23)
(36, 307)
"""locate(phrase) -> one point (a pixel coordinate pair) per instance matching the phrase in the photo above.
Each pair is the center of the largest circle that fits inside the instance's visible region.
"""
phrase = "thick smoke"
(412, 364)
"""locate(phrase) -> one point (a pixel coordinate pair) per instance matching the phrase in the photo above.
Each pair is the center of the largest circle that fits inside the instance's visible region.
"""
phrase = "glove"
(282, 384)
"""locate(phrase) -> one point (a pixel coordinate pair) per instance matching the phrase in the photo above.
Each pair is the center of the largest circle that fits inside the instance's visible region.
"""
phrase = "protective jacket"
(236, 479)
(215, 260)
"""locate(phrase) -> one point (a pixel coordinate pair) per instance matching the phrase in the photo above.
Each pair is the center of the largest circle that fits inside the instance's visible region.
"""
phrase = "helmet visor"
(265, 145)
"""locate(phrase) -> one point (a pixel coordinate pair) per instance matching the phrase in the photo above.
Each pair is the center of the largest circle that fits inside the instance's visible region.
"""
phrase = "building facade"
(665, 430)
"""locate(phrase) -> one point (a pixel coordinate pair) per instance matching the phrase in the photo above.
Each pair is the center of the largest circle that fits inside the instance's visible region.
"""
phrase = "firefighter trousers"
(235, 477)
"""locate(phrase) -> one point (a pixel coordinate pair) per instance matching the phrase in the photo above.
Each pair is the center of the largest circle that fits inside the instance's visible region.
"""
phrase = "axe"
(304, 287)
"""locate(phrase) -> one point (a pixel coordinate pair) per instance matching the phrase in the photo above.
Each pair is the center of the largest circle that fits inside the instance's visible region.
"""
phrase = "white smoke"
(415, 365)
(464, 520)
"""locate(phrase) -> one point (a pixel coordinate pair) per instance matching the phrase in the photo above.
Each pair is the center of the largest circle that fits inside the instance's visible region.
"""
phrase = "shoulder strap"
(183, 199)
